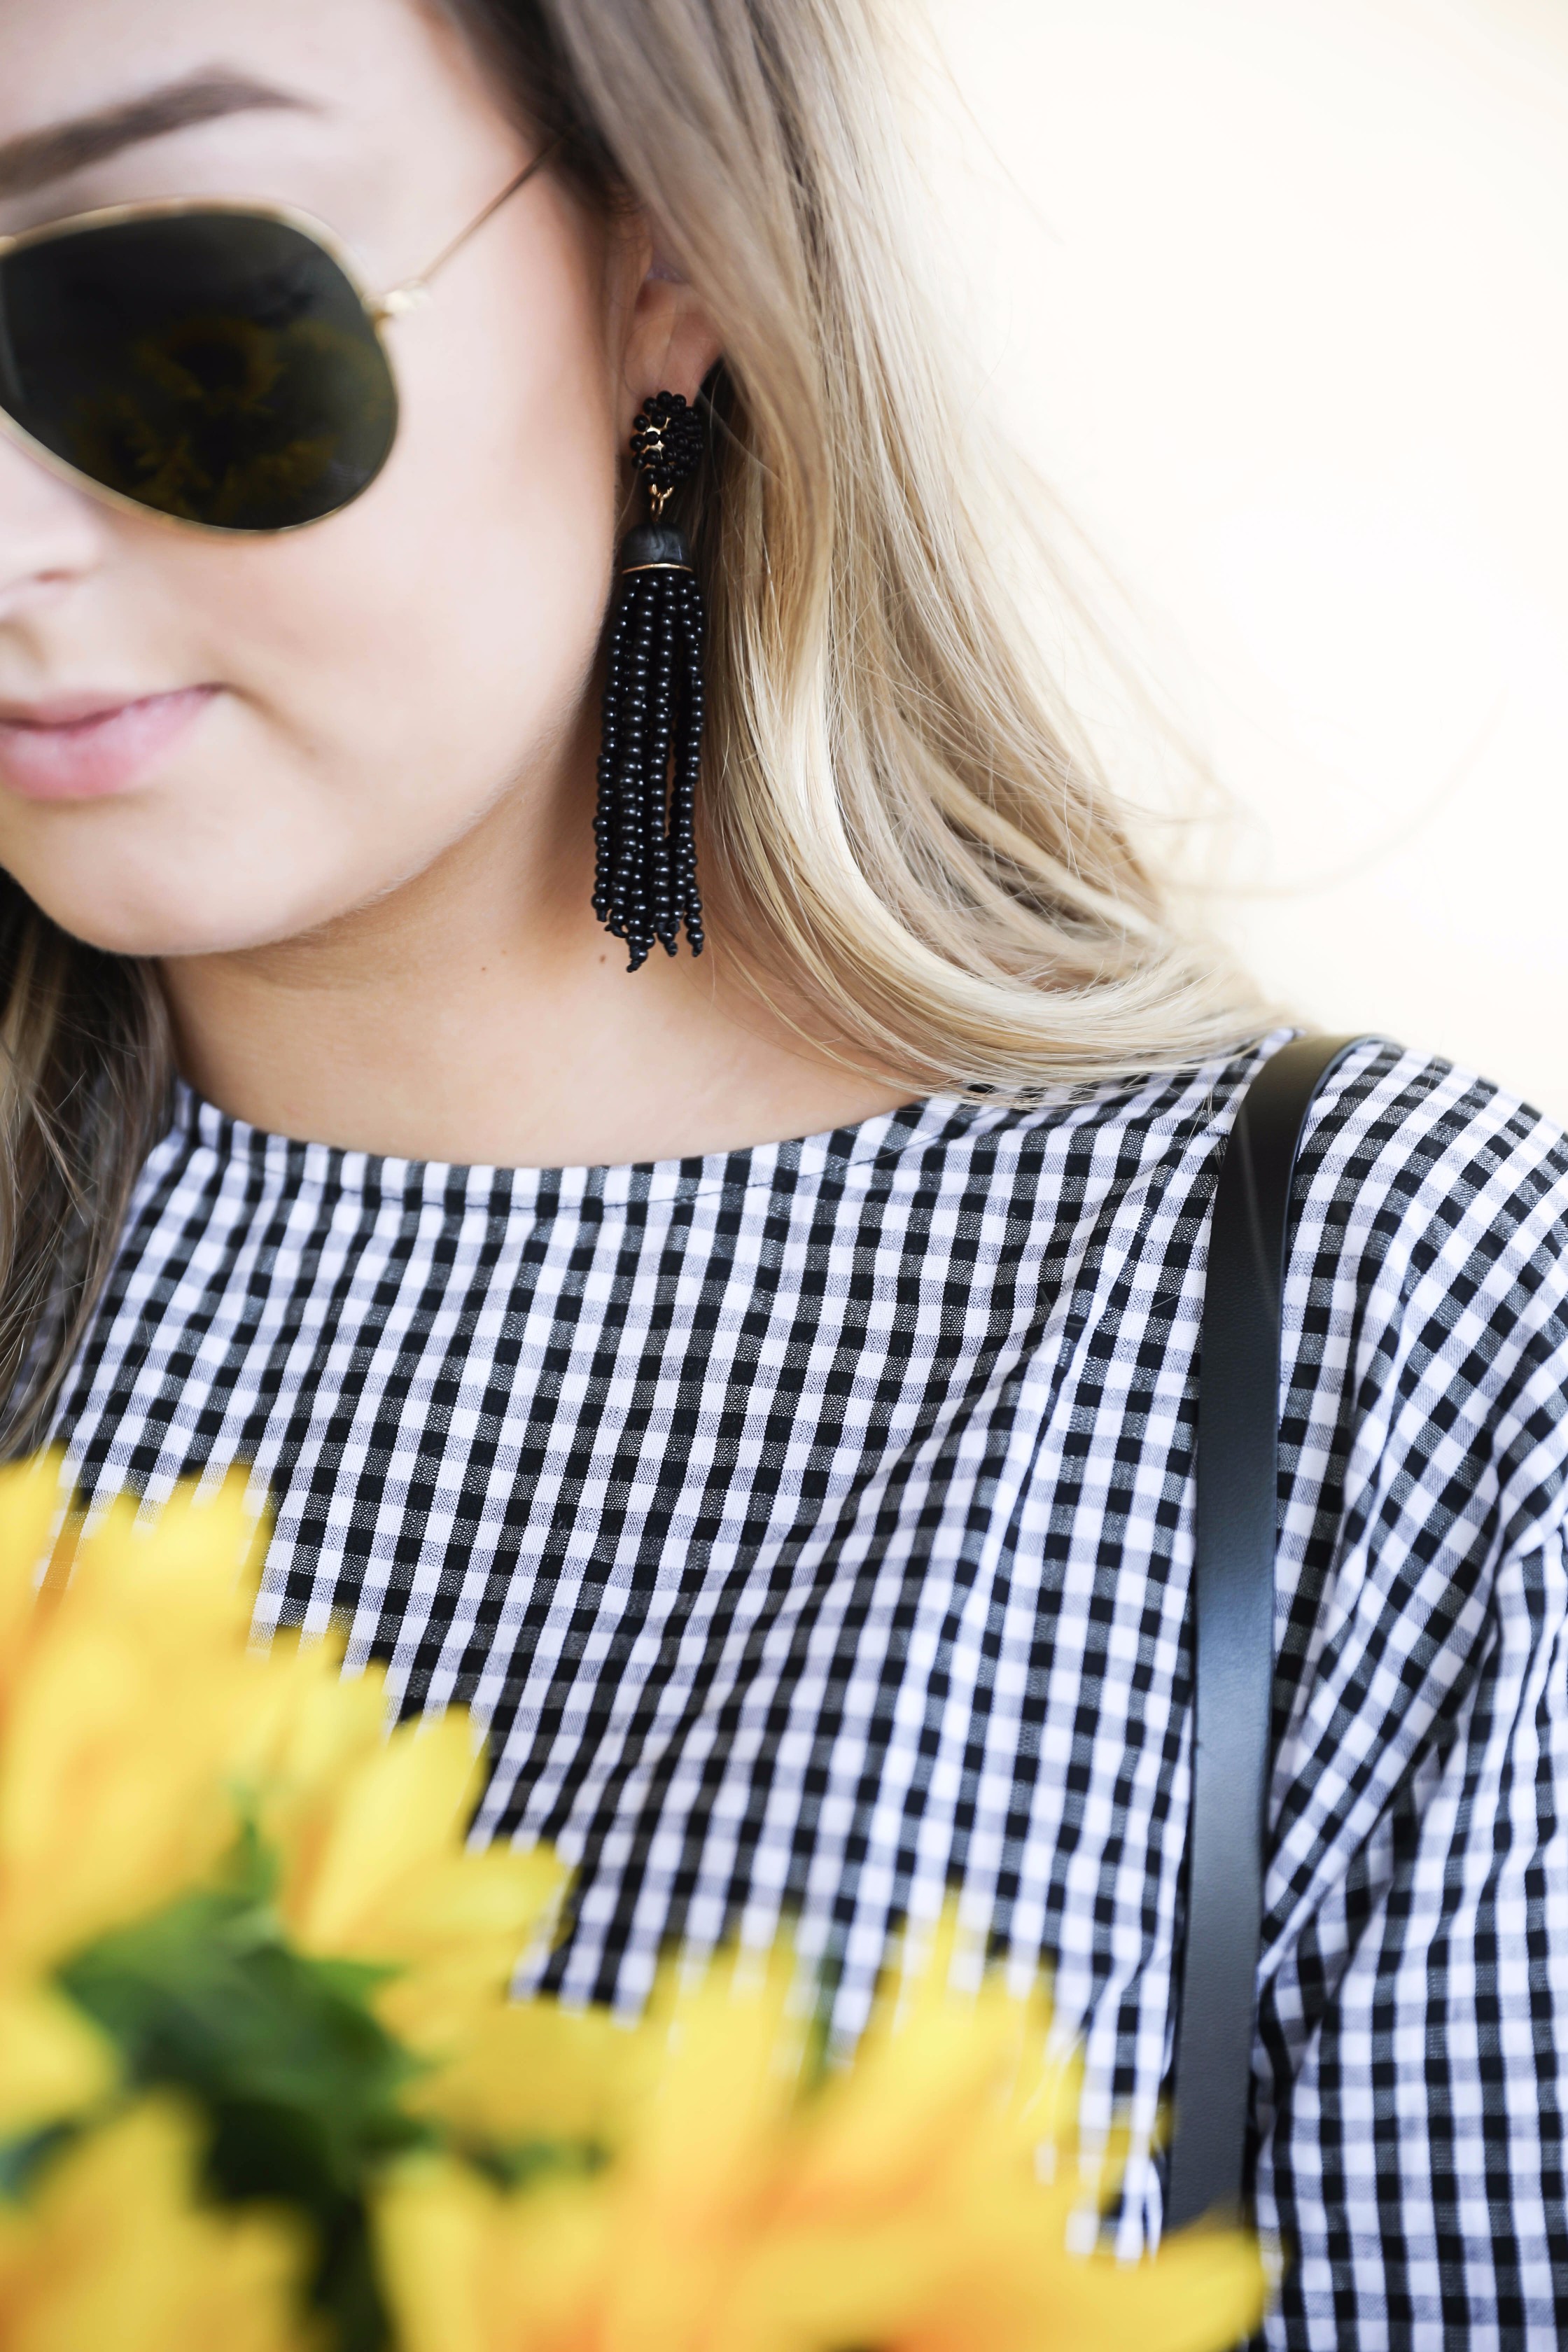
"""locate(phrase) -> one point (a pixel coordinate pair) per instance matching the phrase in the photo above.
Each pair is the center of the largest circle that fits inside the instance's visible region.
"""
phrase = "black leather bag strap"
(1232, 1582)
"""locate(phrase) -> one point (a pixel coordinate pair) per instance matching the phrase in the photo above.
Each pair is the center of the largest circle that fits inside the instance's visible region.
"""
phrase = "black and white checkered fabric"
(812, 1523)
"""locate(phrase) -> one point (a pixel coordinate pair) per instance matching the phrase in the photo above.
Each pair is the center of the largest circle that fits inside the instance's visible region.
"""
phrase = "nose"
(51, 533)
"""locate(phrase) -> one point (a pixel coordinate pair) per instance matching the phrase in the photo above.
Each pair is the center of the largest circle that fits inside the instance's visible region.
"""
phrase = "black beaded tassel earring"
(645, 879)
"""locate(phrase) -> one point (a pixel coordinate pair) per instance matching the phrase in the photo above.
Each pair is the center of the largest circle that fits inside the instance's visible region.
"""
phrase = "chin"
(199, 916)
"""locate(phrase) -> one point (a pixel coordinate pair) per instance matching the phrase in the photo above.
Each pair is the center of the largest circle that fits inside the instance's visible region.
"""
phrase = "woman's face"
(320, 714)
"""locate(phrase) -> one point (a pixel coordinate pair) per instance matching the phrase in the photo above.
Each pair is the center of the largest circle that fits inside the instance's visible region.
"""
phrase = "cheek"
(455, 614)
(431, 640)
(389, 672)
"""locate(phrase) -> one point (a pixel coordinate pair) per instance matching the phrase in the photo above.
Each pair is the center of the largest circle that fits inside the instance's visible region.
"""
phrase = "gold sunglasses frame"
(407, 295)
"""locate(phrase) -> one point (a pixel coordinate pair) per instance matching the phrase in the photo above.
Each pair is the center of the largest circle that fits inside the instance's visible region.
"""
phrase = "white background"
(1277, 293)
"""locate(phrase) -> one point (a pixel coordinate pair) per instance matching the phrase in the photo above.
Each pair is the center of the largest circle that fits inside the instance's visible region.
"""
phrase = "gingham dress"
(812, 1525)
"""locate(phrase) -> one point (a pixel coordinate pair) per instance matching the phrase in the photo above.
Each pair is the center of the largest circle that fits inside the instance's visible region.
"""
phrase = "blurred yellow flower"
(123, 1679)
(697, 2183)
(901, 2204)
(531, 2070)
(467, 2268)
(53, 2062)
(120, 1694)
(369, 1833)
(114, 2252)
(138, 1725)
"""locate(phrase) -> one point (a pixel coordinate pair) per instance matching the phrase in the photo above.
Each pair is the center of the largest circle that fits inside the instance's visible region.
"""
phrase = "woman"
(811, 1521)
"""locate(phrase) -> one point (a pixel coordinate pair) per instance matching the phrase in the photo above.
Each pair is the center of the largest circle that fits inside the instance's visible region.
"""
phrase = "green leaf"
(299, 2080)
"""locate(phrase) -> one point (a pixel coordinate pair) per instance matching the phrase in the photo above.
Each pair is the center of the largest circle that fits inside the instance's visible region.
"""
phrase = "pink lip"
(83, 749)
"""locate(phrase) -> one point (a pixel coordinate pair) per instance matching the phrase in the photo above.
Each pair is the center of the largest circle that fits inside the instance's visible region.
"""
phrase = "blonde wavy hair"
(910, 837)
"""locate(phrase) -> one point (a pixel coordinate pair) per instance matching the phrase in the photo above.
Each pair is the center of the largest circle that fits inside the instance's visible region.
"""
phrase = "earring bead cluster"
(667, 442)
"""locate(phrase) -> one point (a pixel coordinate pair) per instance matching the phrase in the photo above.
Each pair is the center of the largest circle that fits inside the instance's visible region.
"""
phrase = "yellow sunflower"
(369, 1834)
(113, 2250)
(905, 2202)
(124, 1681)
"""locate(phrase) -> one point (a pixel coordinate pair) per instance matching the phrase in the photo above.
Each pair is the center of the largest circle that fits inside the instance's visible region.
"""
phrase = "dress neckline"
(307, 1165)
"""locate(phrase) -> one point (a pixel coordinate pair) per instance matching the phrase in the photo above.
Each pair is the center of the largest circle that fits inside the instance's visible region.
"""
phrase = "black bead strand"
(645, 884)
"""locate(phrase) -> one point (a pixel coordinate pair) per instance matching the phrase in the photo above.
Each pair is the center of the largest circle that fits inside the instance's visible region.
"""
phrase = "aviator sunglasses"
(217, 364)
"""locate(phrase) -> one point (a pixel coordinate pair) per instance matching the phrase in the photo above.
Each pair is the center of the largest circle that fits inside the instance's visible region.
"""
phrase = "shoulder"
(1435, 1156)
(1401, 1152)
(1425, 1308)
(1399, 1139)
(1435, 1185)
(1427, 1292)
(1416, 1178)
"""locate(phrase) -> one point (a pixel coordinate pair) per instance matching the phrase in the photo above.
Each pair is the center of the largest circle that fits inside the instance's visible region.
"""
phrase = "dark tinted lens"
(214, 365)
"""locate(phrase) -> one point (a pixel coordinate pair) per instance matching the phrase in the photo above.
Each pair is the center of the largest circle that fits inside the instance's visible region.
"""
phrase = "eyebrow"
(40, 156)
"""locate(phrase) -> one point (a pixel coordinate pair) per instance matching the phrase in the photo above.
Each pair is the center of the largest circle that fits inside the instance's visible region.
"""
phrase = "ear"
(671, 342)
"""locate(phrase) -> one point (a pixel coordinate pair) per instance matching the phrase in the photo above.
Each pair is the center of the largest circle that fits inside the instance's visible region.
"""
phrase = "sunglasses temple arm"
(406, 296)
(10, 374)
